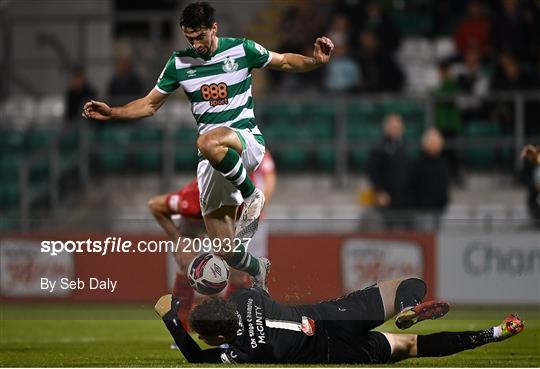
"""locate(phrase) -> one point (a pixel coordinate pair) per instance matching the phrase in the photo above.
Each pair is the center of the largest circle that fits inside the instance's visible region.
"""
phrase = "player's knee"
(402, 346)
(207, 144)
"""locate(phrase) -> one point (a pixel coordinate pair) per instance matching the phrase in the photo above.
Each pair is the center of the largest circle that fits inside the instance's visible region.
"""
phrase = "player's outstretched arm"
(189, 348)
(167, 308)
(137, 109)
(288, 62)
(162, 214)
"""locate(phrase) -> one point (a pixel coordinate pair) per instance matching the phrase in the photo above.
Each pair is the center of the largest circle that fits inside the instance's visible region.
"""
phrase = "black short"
(349, 321)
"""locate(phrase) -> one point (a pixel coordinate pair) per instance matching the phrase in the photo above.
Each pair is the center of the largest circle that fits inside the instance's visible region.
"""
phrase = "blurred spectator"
(473, 80)
(125, 83)
(474, 31)
(511, 28)
(382, 26)
(430, 178)
(509, 75)
(341, 74)
(531, 179)
(301, 23)
(378, 69)
(448, 119)
(470, 75)
(78, 92)
(339, 30)
(388, 168)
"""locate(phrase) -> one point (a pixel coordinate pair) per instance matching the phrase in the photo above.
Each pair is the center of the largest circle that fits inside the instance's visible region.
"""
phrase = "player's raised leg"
(404, 297)
(222, 147)
(405, 346)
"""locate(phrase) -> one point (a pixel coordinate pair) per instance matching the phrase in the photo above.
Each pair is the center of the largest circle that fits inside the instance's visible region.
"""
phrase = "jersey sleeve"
(233, 356)
(168, 81)
(257, 56)
(189, 348)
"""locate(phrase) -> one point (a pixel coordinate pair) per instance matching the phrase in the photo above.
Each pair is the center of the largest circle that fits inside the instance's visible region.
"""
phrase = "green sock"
(231, 167)
(245, 262)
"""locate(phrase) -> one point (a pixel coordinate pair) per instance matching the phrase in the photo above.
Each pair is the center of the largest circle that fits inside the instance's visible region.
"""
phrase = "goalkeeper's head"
(215, 321)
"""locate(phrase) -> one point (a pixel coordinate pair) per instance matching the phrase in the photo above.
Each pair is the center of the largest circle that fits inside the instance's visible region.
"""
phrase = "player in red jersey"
(185, 204)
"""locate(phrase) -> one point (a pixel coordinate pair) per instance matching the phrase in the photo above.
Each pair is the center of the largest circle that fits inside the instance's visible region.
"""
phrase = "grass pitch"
(132, 336)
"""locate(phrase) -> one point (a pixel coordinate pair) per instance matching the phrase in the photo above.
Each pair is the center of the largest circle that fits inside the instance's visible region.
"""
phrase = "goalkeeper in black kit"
(251, 327)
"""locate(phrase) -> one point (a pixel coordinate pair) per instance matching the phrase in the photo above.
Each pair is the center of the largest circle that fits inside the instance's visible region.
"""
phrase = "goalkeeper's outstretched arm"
(191, 350)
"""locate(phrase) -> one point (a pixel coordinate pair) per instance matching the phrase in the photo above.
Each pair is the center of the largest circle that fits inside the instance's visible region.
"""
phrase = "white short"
(217, 191)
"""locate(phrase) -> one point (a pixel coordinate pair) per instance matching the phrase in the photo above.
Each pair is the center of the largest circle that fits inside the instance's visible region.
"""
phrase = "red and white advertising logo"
(22, 266)
(366, 261)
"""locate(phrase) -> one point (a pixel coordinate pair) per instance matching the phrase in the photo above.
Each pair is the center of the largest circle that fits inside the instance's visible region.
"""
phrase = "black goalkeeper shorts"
(349, 321)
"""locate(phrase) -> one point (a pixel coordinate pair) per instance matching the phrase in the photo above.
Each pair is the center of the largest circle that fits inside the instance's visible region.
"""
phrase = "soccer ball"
(208, 274)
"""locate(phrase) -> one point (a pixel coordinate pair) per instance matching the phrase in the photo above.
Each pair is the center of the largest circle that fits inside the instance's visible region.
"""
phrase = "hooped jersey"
(218, 87)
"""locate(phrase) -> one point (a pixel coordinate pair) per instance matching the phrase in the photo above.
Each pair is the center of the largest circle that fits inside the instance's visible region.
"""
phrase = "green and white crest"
(230, 65)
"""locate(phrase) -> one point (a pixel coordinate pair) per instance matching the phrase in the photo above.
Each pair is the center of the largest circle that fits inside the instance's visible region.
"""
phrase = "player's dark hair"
(214, 317)
(198, 15)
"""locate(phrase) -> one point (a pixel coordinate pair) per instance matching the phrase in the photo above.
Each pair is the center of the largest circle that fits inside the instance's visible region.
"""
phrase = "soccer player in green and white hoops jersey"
(215, 74)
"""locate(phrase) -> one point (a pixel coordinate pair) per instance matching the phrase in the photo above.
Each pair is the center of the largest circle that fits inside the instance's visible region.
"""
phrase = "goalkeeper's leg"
(405, 346)
(404, 297)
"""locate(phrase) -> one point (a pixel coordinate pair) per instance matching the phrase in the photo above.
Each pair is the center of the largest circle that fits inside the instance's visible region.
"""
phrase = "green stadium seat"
(411, 111)
(411, 24)
(186, 134)
(39, 189)
(185, 158)
(325, 158)
(413, 132)
(362, 113)
(281, 113)
(40, 168)
(149, 147)
(358, 156)
(364, 131)
(481, 157)
(9, 166)
(9, 194)
(119, 136)
(322, 129)
(69, 142)
(147, 159)
(112, 156)
(11, 141)
(147, 134)
(111, 159)
(279, 131)
(185, 149)
(291, 158)
(39, 138)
